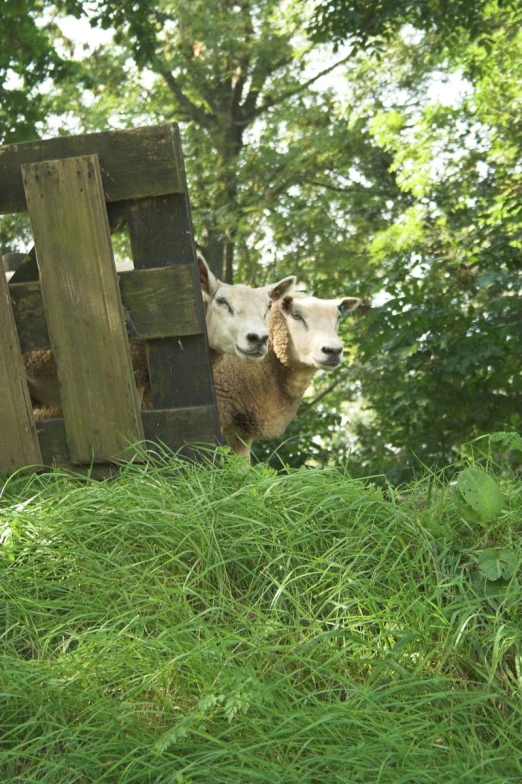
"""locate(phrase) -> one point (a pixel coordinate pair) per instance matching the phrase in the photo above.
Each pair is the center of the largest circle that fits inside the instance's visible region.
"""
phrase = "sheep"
(259, 401)
(236, 323)
(236, 315)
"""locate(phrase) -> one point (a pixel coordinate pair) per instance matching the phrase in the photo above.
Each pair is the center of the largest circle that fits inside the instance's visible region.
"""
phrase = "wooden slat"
(161, 234)
(134, 163)
(174, 428)
(83, 308)
(177, 427)
(158, 303)
(18, 441)
(28, 268)
(55, 451)
(12, 261)
(53, 442)
(29, 315)
(153, 249)
(180, 371)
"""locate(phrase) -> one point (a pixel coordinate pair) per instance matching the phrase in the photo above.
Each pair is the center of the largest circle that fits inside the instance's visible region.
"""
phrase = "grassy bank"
(222, 625)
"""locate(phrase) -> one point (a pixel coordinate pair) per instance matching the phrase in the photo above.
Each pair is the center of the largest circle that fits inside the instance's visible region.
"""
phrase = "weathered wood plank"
(181, 426)
(83, 309)
(134, 163)
(174, 428)
(12, 261)
(161, 234)
(28, 268)
(180, 371)
(53, 442)
(156, 249)
(55, 451)
(18, 442)
(29, 315)
(158, 303)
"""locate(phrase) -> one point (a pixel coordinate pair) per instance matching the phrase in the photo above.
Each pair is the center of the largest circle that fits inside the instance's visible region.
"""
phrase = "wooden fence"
(67, 295)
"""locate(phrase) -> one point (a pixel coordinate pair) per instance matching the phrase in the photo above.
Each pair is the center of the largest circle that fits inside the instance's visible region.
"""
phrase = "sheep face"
(236, 316)
(312, 327)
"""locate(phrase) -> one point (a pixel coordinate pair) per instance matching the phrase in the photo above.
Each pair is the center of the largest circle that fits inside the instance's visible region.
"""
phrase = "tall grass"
(230, 625)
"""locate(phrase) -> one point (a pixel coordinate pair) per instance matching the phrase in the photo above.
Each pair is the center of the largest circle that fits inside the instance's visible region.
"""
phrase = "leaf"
(497, 562)
(510, 440)
(497, 592)
(481, 492)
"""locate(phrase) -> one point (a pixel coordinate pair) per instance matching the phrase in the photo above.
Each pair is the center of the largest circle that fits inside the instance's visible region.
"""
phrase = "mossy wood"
(84, 310)
(18, 439)
(189, 425)
(133, 164)
(82, 307)
(171, 360)
(157, 303)
(163, 224)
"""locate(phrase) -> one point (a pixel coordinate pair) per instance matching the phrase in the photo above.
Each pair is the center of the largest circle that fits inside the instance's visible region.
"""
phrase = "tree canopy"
(27, 58)
(367, 23)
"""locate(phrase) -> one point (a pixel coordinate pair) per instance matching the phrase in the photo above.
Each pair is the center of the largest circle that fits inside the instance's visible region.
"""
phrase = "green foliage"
(439, 361)
(368, 24)
(215, 624)
(496, 581)
(512, 441)
(495, 563)
(481, 492)
(28, 58)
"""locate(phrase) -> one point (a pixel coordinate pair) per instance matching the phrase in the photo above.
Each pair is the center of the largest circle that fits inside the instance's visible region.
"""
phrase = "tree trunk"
(220, 247)
(219, 254)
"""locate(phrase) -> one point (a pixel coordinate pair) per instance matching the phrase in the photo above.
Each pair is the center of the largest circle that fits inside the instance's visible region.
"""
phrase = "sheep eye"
(223, 301)
(297, 317)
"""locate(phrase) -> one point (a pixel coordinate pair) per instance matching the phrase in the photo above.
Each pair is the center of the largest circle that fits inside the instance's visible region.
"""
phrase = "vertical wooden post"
(82, 305)
(18, 440)
(161, 235)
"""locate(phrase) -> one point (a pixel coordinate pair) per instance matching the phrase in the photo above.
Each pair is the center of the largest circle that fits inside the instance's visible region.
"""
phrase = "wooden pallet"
(67, 295)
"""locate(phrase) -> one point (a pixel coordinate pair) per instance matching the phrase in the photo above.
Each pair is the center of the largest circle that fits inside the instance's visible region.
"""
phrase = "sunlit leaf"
(481, 492)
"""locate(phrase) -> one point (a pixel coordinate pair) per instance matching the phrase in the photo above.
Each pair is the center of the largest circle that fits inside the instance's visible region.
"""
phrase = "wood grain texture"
(18, 440)
(160, 302)
(180, 430)
(134, 163)
(161, 235)
(178, 427)
(82, 306)
(172, 243)
(181, 372)
(157, 303)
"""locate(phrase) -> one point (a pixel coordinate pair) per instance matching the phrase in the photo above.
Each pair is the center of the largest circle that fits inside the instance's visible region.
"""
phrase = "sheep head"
(304, 330)
(237, 315)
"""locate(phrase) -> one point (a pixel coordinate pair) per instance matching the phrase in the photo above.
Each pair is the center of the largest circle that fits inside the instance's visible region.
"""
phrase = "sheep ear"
(286, 304)
(348, 304)
(209, 283)
(276, 291)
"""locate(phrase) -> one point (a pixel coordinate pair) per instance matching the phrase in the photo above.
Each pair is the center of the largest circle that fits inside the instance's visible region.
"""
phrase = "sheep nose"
(260, 341)
(332, 352)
